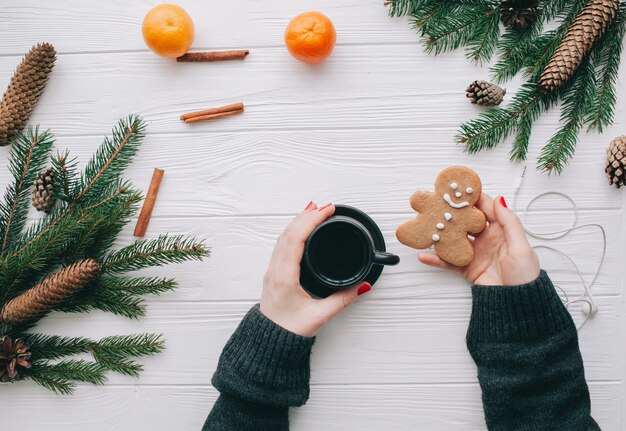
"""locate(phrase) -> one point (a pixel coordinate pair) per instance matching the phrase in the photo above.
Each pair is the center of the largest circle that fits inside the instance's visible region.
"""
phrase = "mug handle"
(383, 258)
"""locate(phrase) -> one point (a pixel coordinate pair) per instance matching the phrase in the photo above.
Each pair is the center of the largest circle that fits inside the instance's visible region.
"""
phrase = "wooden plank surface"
(367, 128)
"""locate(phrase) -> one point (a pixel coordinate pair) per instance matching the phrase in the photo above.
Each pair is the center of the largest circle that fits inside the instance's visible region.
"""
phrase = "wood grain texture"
(368, 127)
(331, 407)
(378, 341)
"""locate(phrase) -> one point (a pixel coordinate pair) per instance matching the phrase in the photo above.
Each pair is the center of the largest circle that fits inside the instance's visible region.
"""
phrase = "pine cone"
(13, 356)
(588, 27)
(43, 191)
(27, 84)
(616, 162)
(49, 292)
(518, 14)
(485, 93)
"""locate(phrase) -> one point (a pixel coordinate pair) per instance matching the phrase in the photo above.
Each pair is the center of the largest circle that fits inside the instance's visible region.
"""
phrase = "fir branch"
(405, 7)
(49, 347)
(112, 157)
(496, 125)
(156, 252)
(28, 156)
(138, 285)
(116, 302)
(475, 26)
(576, 103)
(61, 377)
(607, 62)
(512, 52)
(112, 353)
(118, 295)
(519, 152)
(65, 170)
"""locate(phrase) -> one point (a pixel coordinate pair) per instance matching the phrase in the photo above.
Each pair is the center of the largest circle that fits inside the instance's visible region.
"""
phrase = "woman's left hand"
(283, 300)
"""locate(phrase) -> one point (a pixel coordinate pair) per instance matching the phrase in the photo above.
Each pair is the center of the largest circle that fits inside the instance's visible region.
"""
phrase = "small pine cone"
(14, 356)
(43, 191)
(27, 84)
(485, 93)
(519, 14)
(616, 162)
(588, 27)
(49, 292)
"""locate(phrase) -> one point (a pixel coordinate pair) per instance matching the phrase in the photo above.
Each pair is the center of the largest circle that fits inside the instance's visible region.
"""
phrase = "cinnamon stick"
(148, 203)
(213, 116)
(227, 108)
(207, 57)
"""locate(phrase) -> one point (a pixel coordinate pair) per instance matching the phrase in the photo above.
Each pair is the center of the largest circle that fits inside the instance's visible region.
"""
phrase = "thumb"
(337, 302)
(511, 224)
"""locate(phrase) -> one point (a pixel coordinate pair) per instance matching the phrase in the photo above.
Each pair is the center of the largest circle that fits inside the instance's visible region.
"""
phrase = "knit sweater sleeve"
(263, 370)
(530, 369)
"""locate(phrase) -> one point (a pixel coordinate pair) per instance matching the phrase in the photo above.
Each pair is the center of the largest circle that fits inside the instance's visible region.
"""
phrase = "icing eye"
(454, 186)
(458, 194)
(469, 190)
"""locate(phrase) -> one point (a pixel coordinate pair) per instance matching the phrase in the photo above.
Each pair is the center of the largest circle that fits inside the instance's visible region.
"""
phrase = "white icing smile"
(449, 201)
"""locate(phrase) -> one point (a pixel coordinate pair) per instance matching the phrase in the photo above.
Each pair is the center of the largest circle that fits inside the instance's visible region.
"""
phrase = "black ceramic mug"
(343, 251)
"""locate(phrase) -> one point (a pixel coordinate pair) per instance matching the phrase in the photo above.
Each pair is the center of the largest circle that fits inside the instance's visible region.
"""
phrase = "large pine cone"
(519, 14)
(49, 292)
(616, 162)
(588, 27)
(26, 86)
(485, 93)
(42, 195)
(14, 355)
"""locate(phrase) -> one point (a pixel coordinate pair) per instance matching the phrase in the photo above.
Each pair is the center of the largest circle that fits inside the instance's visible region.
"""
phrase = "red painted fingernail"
(324, 207)
(364, 289)
(503, 202)
(309, 206)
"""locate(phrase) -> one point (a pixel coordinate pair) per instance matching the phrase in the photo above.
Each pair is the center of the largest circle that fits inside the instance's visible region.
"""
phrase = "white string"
(586, 297)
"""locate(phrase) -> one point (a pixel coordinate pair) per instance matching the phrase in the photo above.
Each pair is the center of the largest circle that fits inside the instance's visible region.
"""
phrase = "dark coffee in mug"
(339, 251)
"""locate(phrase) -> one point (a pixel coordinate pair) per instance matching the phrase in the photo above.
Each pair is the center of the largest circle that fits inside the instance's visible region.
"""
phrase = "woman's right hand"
(283, 300)
(502, 254)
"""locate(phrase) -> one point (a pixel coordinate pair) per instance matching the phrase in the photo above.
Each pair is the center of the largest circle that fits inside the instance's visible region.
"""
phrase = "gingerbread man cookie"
(447, 216)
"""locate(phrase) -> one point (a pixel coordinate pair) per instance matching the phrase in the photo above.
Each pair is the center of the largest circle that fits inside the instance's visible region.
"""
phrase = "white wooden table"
(366, 128)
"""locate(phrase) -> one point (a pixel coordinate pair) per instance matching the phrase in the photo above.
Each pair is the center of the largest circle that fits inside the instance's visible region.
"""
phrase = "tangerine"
(310, 37)
(168, 30)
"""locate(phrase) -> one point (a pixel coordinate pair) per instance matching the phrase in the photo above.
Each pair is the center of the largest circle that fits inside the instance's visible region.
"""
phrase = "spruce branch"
(66, 172)
(49, 347)
(112, 157)
(607, 62)
(61, 377)
(113, 353)
(28, 156)
(496, 125)
(146, 253)
(577, 101)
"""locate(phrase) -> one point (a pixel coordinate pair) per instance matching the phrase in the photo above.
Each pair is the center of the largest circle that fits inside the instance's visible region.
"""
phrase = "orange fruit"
(310, 37)
(168, 30)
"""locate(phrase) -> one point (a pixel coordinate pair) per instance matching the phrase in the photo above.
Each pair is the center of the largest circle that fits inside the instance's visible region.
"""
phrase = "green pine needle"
(147, 253)
(29, 154)
(576, 103)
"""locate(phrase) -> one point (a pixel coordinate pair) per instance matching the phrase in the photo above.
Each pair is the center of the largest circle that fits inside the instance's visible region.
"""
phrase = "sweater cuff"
(513, 313)
(265, 363)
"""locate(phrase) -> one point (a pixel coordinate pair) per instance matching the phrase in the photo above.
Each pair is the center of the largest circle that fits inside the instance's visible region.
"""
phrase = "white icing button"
(469, 190)
(440, 226)
(447, 216)
(458, 194)
(454, 186)
(436, 237)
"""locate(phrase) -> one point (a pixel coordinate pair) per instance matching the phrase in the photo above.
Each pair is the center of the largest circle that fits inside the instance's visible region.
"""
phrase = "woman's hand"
(502, 254)
(283, 300)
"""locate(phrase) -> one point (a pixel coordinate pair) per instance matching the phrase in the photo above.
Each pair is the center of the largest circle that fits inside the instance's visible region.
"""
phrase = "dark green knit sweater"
(522, 339)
